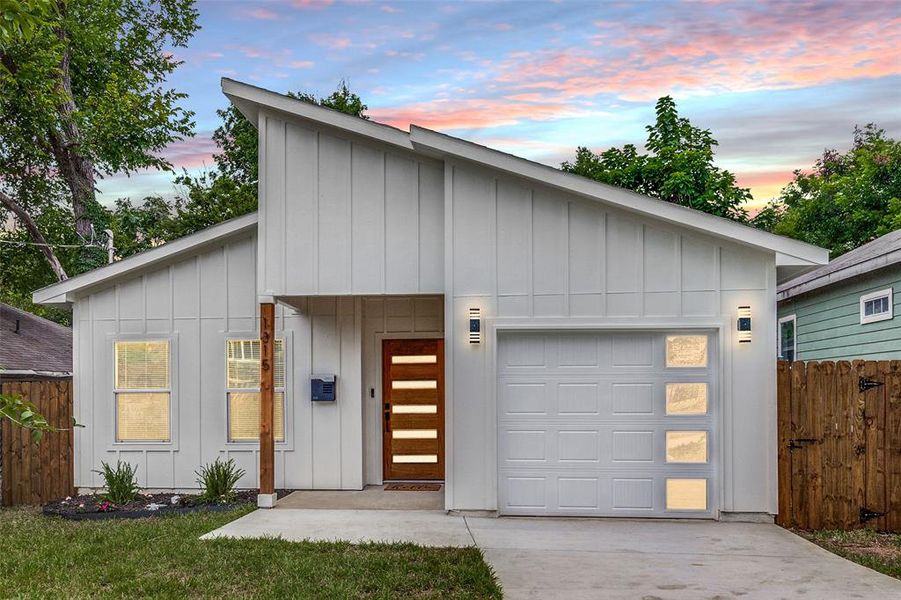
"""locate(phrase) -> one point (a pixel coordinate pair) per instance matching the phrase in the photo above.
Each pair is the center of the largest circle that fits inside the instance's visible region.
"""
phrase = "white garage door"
(606, 424)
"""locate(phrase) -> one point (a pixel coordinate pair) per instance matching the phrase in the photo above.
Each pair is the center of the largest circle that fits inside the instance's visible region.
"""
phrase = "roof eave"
(790, 289)
(65, 292)
(792, 252)
(249, 98)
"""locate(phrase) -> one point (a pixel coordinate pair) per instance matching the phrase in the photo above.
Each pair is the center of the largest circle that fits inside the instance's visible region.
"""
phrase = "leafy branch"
(26, 415)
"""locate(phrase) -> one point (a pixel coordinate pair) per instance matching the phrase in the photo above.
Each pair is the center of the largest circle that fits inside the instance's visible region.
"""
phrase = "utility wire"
(17, 243)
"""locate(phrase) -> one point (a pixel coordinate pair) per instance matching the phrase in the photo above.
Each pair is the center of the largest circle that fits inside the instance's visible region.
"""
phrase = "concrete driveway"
(611, 559)
(601, 558)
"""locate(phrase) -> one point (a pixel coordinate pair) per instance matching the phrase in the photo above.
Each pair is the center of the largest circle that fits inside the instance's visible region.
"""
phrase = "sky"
(776, 82)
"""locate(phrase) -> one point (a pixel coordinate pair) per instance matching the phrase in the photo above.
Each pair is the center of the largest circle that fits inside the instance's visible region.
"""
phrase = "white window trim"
(886, 293)
(283, 390)
(114, 445)
(794, 319)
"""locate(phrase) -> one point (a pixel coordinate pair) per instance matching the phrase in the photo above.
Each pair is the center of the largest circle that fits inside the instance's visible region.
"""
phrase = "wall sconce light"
(475, 325)
(744, 324)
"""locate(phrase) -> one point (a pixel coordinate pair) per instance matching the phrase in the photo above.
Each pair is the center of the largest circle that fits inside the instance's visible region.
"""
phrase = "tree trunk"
(32, 227)
(74, 166)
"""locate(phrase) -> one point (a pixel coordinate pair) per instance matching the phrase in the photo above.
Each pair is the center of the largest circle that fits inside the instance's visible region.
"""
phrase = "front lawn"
(879, 551)
(43, 557)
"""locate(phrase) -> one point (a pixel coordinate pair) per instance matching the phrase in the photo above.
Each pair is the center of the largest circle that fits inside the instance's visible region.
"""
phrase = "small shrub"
(218, 479)
(121, 485)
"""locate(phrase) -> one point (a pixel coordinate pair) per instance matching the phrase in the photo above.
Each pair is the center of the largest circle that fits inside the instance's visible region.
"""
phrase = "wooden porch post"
(267, 497)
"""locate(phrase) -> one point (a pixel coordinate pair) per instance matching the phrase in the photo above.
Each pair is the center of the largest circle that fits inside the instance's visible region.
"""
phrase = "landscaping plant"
(121, 485)
(218, 479)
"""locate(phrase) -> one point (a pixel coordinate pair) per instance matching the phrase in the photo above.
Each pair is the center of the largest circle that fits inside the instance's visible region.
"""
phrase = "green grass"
(878, 551)
(44, 557)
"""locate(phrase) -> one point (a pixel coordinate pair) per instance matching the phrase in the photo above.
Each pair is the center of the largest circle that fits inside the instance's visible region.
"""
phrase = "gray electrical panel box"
(323, 388)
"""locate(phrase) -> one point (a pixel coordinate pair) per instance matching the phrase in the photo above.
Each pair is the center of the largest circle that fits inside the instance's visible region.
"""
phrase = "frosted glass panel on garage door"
(598, 423)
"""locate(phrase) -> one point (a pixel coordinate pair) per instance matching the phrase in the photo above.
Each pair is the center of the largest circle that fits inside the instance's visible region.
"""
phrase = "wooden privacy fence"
(37, 473)
(840, 444)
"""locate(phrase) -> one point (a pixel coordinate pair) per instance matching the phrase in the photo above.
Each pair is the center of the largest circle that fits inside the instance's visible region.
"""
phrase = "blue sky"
(776, 82)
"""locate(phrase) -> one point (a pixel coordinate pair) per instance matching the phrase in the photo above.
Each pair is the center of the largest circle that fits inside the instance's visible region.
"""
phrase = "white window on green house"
(243, 390)
(876, 306)
(142, 390)
(787, 337)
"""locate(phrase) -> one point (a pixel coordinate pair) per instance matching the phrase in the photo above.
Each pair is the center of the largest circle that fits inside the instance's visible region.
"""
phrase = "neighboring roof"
(880, 253)
(789, 252)
(31, 345)
(62, 292)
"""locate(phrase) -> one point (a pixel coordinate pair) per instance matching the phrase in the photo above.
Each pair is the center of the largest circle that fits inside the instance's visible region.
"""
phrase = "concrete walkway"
(601, 558)
(424, 527)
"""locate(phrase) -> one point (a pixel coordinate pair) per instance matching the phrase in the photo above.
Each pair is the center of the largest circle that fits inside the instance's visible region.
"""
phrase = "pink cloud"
(191, 153)
(773, 49)
(472, 113)
(330, 41)
(503, 27)
(311, 4)
(389, 9)
(301, 64)
(262, 13)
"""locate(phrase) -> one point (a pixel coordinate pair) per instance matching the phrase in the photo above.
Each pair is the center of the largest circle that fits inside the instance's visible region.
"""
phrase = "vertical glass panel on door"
(686, 398)
(414, 409)
(414, 384)
(414, 359)
(686, 446)
(686, 494)
(686, 351)
(415, 434)
(415, 458)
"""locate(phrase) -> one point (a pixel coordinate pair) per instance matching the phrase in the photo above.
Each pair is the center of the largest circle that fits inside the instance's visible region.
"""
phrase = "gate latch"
(864, 384)
(796, 443)
(866, 514)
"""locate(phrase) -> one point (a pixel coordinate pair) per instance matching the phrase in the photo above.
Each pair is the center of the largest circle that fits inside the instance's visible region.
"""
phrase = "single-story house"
(414, 306)
(845, 310)
(32, 347)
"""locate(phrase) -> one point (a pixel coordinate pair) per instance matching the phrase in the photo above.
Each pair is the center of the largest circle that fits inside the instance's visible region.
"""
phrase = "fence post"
(783, 416)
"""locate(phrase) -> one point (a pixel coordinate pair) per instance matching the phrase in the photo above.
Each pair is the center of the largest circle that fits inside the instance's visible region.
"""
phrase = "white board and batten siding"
(341, 217)
(197, 303)
(536, 258)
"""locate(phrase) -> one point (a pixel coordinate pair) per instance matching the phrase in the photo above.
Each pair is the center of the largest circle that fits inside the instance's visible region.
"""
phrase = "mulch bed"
(93, 507)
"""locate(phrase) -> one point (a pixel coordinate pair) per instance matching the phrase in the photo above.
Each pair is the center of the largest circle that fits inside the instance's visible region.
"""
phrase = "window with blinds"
(142, 390)
(243, 390)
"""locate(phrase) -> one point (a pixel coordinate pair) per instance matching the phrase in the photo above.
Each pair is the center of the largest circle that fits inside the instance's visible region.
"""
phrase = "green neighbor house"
(847, 309)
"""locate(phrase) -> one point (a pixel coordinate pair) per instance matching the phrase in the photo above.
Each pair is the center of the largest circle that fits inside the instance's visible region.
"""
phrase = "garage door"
(606, 424)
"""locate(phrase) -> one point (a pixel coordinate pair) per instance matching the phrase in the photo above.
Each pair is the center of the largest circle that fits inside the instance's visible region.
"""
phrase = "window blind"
(142, 365)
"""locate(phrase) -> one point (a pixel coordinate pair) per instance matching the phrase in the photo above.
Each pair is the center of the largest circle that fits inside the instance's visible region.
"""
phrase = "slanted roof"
(65, 291)
(31, 345)
(789, 253)
(880, 253)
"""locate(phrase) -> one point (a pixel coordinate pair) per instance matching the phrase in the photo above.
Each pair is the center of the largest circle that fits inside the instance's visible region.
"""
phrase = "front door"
(413, 409)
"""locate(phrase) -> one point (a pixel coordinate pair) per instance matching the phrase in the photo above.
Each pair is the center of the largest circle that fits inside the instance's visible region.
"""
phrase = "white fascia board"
(248, 98)
(65, 291)
(793, 252)
(789, 290)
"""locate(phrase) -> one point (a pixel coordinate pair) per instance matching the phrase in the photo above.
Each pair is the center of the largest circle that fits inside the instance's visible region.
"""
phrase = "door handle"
(387, 416)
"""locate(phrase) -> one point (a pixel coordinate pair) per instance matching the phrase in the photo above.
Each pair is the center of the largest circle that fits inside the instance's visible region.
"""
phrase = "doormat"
(412, 487)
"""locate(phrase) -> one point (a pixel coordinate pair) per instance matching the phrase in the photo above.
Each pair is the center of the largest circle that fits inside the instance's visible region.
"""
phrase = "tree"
(846, 200)
(228, 191)
(237, 137)
(83, 95)
(231, 190)
(21, 19)
(678, 167)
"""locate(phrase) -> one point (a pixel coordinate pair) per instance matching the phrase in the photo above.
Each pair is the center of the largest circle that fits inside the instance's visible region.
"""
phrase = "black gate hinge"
(866, 514)
(795, 443)
(864, 384)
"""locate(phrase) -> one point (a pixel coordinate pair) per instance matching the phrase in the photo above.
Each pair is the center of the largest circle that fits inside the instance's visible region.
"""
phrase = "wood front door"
(413, 409)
